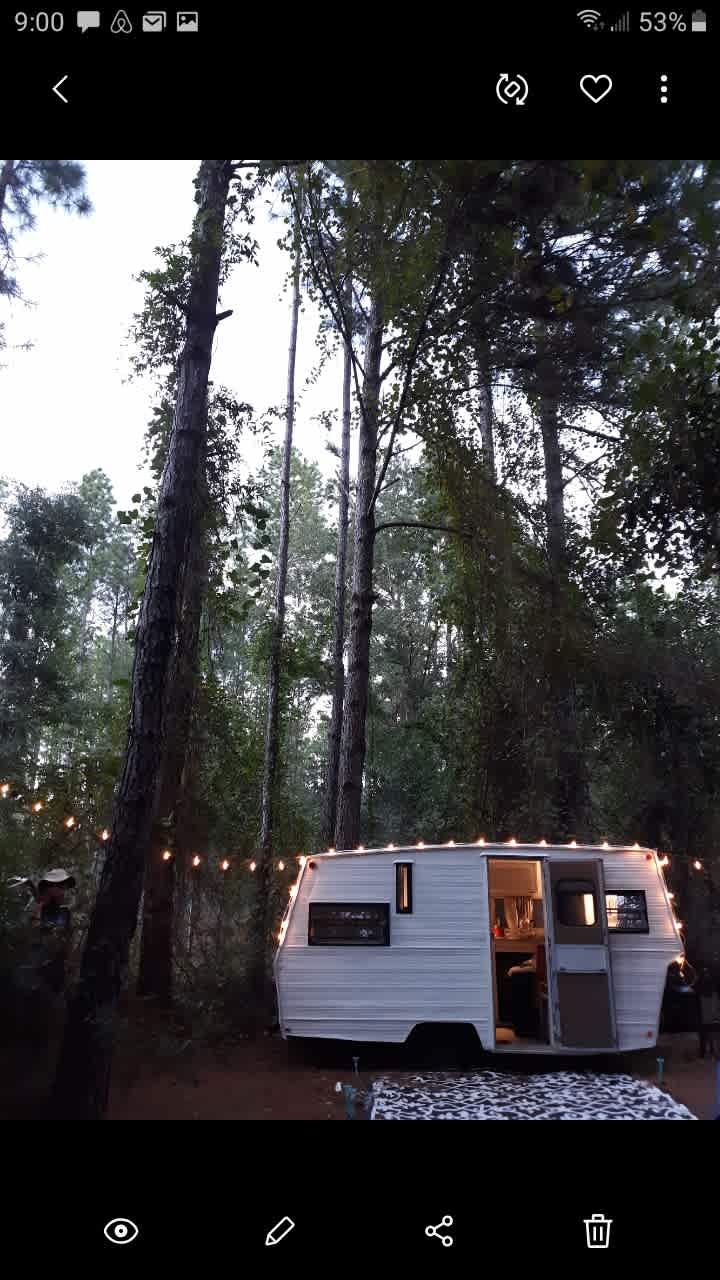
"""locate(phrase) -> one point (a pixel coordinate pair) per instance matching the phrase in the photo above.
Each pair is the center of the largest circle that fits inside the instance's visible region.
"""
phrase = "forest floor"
(159, 1077)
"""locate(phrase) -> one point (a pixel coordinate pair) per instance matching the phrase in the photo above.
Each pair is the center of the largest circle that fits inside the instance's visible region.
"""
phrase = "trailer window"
(627, 911)
(576, 903)
(403, 888)
(349, 924)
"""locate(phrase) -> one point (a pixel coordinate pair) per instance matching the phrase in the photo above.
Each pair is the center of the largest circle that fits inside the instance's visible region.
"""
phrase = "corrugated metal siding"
(436, 969)
(640, 961)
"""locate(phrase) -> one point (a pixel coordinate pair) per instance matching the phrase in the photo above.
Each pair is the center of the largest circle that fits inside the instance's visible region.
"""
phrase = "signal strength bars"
(622, 24)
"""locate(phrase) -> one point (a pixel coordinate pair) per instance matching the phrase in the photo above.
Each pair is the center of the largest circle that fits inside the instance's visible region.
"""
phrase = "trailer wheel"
(440, 1045)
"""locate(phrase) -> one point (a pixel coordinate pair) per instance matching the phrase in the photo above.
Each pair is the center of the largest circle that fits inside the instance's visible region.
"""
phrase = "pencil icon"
(279, 1231)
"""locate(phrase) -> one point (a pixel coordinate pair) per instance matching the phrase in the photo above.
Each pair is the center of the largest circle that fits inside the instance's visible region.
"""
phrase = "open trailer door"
(581, 995)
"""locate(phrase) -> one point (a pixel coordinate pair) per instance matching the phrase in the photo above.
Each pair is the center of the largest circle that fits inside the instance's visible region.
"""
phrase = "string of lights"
(71, 823)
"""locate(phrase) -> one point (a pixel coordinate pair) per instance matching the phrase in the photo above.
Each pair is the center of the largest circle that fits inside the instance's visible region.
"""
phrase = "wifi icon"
(590, 18)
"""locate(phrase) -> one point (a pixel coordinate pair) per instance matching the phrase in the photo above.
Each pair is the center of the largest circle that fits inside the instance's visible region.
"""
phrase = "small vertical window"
(403, 888)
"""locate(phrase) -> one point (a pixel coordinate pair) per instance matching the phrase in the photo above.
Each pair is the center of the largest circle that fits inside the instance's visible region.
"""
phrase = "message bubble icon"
(88, 18)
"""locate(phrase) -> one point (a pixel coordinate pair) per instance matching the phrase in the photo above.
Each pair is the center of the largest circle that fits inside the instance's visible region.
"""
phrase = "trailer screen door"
(580, 976)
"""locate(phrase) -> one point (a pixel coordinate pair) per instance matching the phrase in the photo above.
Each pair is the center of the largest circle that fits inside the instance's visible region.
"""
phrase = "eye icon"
(120, 1231)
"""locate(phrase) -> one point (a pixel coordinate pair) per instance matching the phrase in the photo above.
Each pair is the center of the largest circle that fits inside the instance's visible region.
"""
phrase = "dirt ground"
(157, 1077)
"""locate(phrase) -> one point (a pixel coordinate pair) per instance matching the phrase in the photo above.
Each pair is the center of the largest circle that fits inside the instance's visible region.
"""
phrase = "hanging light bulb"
(104, 834)
(167, 855)
(697, 864)
(281, 866)
(69, 823)
(224, 865)
(196, 861)
(37, 806)
(253, 866)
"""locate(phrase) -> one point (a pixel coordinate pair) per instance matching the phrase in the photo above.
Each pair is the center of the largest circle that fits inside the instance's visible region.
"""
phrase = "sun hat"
(58, 876)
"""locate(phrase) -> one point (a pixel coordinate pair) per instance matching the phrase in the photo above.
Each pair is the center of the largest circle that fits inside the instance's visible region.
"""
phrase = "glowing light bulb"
(451, 843)
(665, 861)
(679, 924)
(605, 844)
(331, 849)
(697, 864)
(37, 806)
(512, 840)
(391, 846)
(480, 840)
(4, 788)
(225, 865)
(281, 866)
(104, 834)
(543, 844)
(196, 861)
(420, 844)
(636, 845)
(671, 896)
(253, 866)
(167, 855)
(302, 860)
(361, 848)
(293, 890)
(573, 844)
(69, 822)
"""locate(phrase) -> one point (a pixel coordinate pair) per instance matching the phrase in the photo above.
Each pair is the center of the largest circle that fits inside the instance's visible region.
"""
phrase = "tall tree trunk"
(264, 900)
(485, 421)
(352, 750)
(83, 1076)
(336, 715)
(156, 949)
(571, 788)
(113, 643)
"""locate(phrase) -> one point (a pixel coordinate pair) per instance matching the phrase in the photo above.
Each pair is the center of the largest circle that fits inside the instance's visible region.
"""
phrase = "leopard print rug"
(499, 1095)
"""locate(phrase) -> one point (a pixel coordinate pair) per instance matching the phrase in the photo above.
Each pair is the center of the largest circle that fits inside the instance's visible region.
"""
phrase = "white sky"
(65, 406)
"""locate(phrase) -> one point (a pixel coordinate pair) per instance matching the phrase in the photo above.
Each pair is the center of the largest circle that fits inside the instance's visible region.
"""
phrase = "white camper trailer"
(542, 949)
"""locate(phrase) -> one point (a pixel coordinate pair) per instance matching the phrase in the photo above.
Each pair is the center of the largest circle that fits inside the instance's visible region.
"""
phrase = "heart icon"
(596, 87)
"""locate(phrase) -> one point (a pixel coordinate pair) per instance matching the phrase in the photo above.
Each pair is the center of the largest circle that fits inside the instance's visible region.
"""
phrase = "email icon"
(154, 21)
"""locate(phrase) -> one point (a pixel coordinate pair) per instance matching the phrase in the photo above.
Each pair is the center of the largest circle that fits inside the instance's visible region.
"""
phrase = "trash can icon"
(597, 1229)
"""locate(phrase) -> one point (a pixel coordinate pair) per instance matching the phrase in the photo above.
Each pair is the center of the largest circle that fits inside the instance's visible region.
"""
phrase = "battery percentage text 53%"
(663, 22)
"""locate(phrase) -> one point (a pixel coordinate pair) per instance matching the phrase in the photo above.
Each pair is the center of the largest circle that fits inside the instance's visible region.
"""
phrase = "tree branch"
(421, 524)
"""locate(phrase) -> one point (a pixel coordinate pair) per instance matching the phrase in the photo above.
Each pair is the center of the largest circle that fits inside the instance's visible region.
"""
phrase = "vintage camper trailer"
(542, 949)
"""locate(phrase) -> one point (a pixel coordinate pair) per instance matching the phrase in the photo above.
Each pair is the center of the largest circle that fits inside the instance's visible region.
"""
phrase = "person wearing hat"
(51, 925)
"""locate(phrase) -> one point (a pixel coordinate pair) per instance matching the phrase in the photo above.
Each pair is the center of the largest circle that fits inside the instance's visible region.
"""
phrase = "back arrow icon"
(56, 88)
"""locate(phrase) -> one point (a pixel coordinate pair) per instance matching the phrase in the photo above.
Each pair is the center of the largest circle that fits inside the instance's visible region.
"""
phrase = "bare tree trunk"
(113, 643)
(156, 948)
(264, 901)
(571, 789)
(352, 750)
(83, 1076)
(485, 422)
(555, 494)
(336, 716)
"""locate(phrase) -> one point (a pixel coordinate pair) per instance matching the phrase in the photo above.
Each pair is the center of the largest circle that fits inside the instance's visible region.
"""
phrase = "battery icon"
(699, 20)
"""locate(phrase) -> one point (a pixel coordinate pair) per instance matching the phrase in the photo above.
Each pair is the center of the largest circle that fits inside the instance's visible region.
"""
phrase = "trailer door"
(583, 1014)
